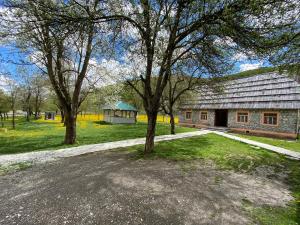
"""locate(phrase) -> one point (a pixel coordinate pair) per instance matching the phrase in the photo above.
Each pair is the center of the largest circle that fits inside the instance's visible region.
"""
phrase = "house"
(264, 104)
(120, 112)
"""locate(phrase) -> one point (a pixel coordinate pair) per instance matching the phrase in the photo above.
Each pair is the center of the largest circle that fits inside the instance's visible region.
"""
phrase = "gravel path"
(43, 156)
(114, 188)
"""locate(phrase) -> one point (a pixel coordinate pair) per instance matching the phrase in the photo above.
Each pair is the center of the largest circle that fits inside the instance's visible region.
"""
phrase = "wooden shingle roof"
(264, 91)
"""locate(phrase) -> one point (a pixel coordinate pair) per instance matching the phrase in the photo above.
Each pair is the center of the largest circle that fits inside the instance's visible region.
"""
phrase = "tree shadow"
(101, 122)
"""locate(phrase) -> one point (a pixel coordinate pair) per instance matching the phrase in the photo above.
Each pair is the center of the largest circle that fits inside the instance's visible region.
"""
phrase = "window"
(203, 115)
(270, 118)
(188, 115)
(242, 117)
(117, 113)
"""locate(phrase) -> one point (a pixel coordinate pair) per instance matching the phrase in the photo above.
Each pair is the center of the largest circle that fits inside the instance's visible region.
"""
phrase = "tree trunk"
(2, 122)
(149, 146)
(172, 122)
(13, 119)
(70, 122)
(62, 115)
(28, 115)
(36, 112)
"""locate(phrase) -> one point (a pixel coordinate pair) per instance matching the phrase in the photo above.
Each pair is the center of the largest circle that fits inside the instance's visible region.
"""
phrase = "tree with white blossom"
(61, 48)
(161, 33)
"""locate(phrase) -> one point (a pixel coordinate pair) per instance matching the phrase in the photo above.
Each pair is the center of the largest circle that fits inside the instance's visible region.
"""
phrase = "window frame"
(271, 112)
(237, 117)
(186, 113)
(206, 115)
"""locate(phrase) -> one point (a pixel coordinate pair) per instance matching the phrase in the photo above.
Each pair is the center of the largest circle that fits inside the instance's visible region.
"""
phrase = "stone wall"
(287, 121)
(196, 117)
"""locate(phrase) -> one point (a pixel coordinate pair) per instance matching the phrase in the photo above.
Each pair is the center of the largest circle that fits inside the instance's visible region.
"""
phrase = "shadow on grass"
(101, 122)
(183, 149)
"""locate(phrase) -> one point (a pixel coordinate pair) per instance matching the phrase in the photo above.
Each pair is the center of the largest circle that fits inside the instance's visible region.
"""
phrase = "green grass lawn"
(41, 135)
(293, 145)
(232, 155)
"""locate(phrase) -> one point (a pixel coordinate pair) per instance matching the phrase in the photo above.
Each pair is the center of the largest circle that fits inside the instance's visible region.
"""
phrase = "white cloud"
(240, 56)
(250, 66)
(5, 83)
(2, 81)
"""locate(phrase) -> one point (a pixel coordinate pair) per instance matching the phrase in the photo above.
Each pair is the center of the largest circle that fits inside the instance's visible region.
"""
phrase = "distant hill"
(250, 73)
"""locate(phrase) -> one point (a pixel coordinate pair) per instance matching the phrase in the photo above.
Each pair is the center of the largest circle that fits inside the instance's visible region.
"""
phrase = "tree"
(14, 91)
(25, 95)
(108, 95)
(39, 88)
(32, 88)
(11, 96)
(4, 107)
(186, 76)
(178, 86)
(288, 58)
(61, 48)
(164, 32)
(130, 95)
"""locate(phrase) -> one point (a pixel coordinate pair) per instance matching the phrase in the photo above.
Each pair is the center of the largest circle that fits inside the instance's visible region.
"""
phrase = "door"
(221, 117)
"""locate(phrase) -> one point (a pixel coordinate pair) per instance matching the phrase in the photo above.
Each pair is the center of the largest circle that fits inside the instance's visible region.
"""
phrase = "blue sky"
(9, 55)
(250, 64)
(8, 62)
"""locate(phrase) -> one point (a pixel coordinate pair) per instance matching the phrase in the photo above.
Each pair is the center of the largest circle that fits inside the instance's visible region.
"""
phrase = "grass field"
(41, 134)
(293, 145)
(242, 158)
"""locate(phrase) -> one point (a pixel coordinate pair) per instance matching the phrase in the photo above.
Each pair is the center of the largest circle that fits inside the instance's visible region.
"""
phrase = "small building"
(120, 112)
(50, 115)
(263, 104)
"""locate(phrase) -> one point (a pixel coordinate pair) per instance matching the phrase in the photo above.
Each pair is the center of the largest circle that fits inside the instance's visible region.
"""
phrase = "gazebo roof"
(120, 105)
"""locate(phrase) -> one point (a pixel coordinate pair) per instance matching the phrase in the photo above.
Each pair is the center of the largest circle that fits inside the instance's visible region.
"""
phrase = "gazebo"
(120, 112)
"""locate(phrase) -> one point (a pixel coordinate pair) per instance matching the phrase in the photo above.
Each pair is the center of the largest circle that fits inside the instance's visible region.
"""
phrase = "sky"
(8, 56)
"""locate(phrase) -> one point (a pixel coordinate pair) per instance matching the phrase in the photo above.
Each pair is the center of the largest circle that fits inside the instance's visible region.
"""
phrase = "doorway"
(221, 117)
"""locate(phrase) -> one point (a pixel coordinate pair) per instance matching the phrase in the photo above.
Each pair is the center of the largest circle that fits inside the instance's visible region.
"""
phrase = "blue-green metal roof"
(120, 105)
